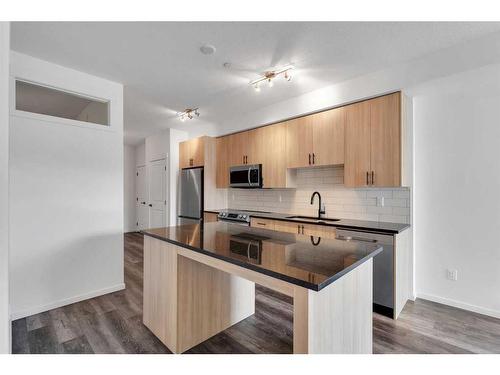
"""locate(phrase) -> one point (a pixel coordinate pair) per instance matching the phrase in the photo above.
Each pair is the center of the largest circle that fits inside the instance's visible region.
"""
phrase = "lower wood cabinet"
(209, 217)
(262, 223)
(294, 227)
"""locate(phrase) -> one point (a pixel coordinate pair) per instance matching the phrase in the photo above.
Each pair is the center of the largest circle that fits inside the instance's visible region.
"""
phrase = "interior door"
(357, 167)
(142, 209)
(299, 142)
(385, 117)
(157, 194)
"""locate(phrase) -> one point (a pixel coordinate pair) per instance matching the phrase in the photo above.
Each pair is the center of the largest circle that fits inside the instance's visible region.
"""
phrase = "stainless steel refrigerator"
(190, 196)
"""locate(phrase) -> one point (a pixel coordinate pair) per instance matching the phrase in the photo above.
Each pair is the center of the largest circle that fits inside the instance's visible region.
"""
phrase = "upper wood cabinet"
(238, 148)
(299, 143)
(271, 141)
(385, 126)
(192, 153)
(316, 140)
(265, 145)
(222, 172)
(365, 137)
(373, 142)
(357, 165)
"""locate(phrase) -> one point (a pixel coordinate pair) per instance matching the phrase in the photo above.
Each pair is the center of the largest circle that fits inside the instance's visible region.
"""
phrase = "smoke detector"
(207, 49)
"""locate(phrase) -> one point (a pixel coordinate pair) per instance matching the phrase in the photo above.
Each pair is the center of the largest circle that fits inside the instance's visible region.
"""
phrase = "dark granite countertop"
(307, 261)
(351, 224)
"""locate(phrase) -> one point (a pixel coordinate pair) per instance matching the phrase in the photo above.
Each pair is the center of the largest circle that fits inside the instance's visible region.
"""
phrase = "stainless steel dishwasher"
(383, 268)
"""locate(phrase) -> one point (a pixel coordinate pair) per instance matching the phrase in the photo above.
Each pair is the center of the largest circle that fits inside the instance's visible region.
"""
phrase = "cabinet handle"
(302, 229)
(298, 229)
(313, 158)
(261, 224)
(246, 159)
(367, 178)
(309, 159)
(373, 177)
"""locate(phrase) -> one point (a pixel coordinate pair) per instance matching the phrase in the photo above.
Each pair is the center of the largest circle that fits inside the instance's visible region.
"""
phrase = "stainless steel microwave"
(245, 176)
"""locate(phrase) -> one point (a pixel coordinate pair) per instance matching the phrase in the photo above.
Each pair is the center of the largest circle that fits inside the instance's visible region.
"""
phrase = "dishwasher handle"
(350, 238)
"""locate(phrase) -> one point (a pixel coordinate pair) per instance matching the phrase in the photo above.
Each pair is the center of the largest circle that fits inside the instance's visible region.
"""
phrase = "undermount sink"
(312, 218)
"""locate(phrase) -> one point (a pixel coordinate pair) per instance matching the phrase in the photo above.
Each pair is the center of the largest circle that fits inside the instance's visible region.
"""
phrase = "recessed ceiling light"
(207, 49)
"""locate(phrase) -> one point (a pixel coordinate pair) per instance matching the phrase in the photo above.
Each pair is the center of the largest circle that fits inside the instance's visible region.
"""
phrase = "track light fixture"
(189, 114)
(270, 75)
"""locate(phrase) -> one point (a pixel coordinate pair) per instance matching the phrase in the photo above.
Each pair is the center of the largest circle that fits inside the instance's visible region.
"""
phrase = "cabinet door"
(254, 148)
(184, 154)
(197, 151)
(385, 127)
(272, 140)
(222, 168)
(312, 230)
(319, 231)
(262, 223)
(287, 226)
(238, 145)
(357, 144)
(299, 142)
(328, 137)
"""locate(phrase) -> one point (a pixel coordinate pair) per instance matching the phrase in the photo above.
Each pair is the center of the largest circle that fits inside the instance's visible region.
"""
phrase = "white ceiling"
(164, 72)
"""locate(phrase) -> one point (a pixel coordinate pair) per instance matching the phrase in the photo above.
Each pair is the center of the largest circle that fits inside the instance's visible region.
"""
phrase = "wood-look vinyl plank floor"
(113, 324)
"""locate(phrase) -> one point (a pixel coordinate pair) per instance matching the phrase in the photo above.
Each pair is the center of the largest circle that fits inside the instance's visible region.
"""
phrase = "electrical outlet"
(452, 275)
(380, 201)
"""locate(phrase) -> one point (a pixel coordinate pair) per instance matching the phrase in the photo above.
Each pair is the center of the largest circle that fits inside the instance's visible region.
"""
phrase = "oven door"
(247, 250)
(246, 176)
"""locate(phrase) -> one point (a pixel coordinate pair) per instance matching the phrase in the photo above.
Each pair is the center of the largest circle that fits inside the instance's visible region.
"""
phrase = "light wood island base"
(190, 297)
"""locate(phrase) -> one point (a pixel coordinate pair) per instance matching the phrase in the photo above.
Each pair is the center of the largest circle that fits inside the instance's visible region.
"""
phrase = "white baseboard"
(460, 305)
(67, 301)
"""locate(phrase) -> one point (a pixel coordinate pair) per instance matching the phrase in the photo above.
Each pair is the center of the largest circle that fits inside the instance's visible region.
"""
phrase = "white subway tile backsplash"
(379, 193)
(340, 201)
(396, 202)
(401, 194)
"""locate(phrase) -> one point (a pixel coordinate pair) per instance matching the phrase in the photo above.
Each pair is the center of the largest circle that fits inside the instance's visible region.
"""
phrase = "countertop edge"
(278, 276)
(335, 225)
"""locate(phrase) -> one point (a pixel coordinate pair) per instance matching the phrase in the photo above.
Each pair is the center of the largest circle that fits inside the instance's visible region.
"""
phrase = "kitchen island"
(200, 279)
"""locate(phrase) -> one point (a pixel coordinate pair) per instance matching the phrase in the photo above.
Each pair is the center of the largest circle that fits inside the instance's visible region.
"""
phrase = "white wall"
(66, 196)
(4, 185)
(129, 192)
(140, 155)
(457, 180)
